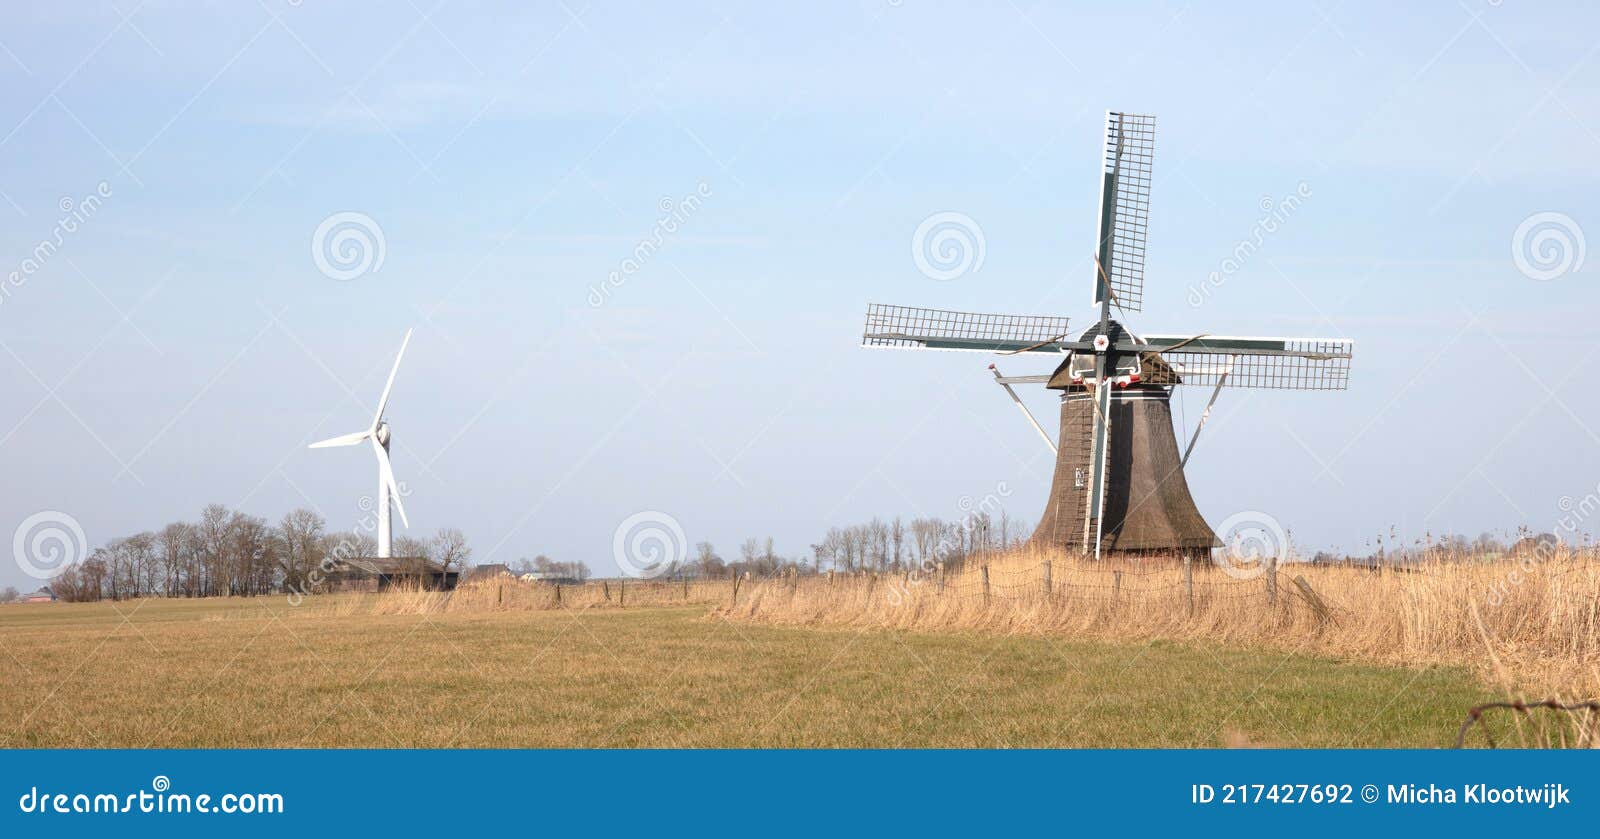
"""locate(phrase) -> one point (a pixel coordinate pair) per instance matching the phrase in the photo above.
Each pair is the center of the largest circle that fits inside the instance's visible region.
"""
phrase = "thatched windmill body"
(1119, 484)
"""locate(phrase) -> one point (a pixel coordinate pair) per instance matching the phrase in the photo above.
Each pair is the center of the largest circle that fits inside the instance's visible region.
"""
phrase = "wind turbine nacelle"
(382, 434)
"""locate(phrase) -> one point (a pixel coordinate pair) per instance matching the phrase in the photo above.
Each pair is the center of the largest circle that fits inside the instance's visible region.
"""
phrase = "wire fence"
(1580, 731)
(1190, 584)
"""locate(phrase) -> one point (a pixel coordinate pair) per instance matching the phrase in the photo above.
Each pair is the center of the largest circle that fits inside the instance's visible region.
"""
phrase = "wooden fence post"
(685, 586)
(1116, 585)
(1188, 581)
(1272, 580)
(1048, 589)
(1311, 596)
(500, 594)
(941, 578)
(735, 599)
(986, 584)
(622, 594)
(558, 594)
(605, 588)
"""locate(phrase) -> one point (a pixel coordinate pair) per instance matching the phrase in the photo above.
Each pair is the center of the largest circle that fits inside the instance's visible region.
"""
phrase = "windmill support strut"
(1024, 408)
(1206, 414)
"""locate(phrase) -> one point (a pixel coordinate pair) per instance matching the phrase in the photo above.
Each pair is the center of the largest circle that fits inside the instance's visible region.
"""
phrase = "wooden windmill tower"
(1119, 484)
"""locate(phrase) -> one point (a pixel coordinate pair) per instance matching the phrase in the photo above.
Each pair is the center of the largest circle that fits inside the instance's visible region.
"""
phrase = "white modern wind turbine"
(380, 435)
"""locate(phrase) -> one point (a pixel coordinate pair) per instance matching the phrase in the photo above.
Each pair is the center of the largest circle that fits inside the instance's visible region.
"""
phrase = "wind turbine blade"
(387, 470)
(384, 400)
(343, 440)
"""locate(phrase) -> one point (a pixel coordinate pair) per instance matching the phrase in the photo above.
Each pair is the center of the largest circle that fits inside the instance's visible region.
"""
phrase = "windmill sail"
(1267, 363)
(907, 327)
(1124, 209)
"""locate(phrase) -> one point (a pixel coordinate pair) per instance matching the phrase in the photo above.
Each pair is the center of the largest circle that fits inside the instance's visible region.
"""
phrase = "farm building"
(43, 595)
(382, 573)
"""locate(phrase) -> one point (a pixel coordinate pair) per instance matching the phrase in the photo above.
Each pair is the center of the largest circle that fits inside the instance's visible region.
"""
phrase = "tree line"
(922, 543)
(545, 566)
(875, 545)
(232, 553)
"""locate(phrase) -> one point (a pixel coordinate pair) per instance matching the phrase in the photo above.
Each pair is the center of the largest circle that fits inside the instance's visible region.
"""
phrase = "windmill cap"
(1114, 332)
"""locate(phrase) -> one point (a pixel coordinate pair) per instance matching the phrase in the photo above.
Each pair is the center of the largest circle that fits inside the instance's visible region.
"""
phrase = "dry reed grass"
(512, 594)
(1531, 626)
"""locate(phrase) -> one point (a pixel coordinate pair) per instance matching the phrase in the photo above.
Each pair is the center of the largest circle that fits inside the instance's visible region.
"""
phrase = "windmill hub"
(1080, 368)
(383, 434)
(1119, 484)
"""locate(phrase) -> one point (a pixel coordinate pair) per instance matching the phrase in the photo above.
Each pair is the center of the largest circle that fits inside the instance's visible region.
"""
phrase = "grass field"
(236, 673)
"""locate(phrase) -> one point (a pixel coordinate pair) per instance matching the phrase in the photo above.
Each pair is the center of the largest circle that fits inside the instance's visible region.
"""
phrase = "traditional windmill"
(1119, 484)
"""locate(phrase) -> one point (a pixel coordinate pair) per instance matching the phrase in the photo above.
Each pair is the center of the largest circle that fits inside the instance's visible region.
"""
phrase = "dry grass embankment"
(1530, 628)
(513, 595)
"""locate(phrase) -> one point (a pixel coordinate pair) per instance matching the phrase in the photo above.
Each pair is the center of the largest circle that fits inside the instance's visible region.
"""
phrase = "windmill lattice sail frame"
(1125, 209)
(1302, 364)
(909, 327)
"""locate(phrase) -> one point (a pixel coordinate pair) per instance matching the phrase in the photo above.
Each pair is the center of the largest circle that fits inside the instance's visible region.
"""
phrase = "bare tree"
(214, 553)
(408, 550)
(303, 546)
(749, 553)
(252, 564)
(925, 533)
(176, 545)
(449, 550)
(145, 566)
(877, 544)
(707, 562)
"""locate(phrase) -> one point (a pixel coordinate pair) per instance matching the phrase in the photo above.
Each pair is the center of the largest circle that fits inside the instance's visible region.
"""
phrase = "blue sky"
(181, 347)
